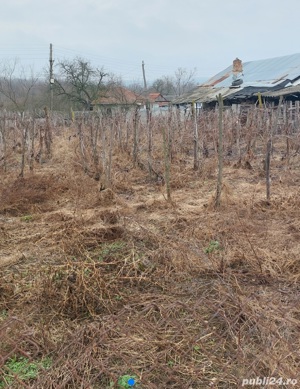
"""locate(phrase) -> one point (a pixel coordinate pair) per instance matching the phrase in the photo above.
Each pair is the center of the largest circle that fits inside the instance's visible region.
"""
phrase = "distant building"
(157, 100)
(117, 98)
(241, 82)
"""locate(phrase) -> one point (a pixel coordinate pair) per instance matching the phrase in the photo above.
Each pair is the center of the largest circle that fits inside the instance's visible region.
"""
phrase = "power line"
(128, 69)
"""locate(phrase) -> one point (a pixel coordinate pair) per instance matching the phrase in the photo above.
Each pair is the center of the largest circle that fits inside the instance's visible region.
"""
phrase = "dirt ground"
(120, 281)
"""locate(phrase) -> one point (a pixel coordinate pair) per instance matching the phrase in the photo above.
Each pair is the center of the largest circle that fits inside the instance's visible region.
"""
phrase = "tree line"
(76, 85)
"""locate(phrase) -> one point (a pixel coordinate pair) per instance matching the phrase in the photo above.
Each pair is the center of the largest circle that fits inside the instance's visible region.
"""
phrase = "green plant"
(46, 363)
(110, 249)
(23, 368)
(213, 246)
(58, 276)
(26, 218)
(87, 272)
(3, 314)
(126, 381)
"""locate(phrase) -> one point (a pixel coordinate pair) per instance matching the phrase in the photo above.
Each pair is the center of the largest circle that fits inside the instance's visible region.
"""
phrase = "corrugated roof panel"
(203, 94)
(218, 77)
(257, 76)
(283, 92)
(266, 72)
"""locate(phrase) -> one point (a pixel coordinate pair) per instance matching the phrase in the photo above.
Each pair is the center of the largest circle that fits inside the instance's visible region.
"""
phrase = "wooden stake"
(220, 152)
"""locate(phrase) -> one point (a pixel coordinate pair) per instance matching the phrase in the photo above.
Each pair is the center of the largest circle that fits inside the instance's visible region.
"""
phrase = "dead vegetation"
(119, 281)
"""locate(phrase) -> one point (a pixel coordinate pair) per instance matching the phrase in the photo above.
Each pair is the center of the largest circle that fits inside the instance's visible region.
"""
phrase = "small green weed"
(26, 218)
(3, 314)
(110, 249)
(24, 369)
(213, 246)
(126, 381)
(58, 275)
(87, 272)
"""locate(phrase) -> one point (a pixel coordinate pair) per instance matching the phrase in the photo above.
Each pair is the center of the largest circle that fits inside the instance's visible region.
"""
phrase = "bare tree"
(16, 86)
(136, 87)
(164, 85)
(182, 81)
(79, 82)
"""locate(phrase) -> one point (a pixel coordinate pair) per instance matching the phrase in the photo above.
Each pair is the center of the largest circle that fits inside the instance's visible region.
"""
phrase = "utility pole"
(51, 61)
(144, 76)
(145, 90)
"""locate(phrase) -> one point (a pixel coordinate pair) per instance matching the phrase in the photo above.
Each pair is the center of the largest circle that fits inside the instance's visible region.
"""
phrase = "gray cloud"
(166, 34)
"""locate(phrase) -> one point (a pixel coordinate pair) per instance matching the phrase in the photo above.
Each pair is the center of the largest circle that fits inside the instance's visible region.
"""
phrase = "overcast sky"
(165, 34)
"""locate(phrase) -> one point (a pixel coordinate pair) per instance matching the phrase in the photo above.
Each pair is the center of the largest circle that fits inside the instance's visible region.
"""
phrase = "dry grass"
(119, 281)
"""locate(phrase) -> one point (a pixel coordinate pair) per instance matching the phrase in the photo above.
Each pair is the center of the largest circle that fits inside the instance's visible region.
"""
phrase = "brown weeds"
(114, 282)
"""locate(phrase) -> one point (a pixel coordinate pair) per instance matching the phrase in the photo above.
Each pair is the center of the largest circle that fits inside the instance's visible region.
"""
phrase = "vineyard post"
(167, 163)
(220, 152)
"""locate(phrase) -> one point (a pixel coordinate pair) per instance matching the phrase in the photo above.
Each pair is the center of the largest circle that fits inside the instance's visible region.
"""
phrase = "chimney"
(237, 73)
(237, 66)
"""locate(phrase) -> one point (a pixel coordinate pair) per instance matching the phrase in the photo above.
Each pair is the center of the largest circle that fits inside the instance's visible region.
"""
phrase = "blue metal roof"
(266, 72)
